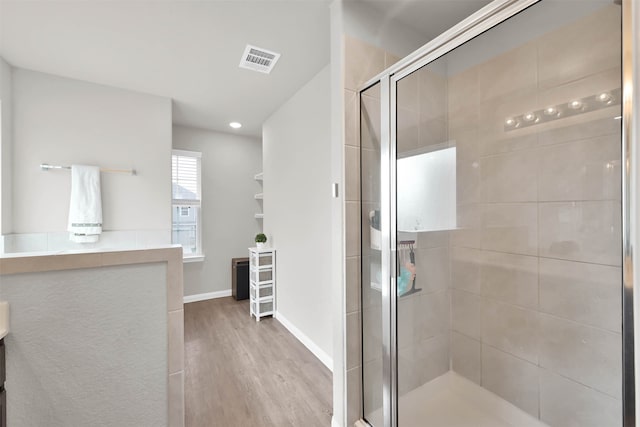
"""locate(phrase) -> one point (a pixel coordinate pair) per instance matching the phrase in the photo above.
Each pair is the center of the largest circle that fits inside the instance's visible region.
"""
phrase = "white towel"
(85, 208)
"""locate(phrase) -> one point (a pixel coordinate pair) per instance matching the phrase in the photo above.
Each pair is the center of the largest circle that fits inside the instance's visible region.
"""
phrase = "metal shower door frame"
(630, 193)
(481, 21)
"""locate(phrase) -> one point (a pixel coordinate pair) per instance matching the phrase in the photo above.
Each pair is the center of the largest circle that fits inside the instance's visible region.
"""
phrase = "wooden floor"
(240, 372)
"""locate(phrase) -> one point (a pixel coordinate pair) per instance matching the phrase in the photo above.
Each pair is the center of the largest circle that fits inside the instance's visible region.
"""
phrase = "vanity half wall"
(96, 338)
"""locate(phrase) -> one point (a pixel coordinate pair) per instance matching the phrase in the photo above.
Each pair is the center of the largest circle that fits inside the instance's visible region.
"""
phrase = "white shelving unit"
(262, 282)
(259, 196)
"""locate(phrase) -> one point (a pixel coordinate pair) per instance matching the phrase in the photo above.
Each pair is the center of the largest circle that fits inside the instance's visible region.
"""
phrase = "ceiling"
(429, 18)
(190, 50)
(185, 50)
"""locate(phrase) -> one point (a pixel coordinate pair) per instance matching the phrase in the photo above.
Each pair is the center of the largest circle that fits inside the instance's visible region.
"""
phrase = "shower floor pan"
(453, 401)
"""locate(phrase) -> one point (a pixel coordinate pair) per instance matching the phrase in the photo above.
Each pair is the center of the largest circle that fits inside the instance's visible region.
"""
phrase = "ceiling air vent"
(258, 59)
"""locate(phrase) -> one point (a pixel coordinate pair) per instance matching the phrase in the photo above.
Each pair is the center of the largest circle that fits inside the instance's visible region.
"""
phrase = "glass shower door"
(372, 282)
(426, 214)
(507, 250)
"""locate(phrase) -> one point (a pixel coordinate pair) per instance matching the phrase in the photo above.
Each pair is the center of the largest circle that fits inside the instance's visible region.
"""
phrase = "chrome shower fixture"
(571, 108)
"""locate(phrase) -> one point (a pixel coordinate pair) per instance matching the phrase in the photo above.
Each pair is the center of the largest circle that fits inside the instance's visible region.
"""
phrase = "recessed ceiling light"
(235, 125)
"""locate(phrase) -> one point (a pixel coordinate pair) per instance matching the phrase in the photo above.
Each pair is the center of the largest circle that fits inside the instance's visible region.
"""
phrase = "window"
(186, 216)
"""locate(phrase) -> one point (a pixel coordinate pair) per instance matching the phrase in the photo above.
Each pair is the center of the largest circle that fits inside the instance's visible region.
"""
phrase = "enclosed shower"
(492, 224)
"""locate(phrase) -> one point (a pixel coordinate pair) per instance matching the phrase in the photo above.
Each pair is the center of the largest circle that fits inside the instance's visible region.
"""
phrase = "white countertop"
(36, 262)
(4, 319)
(8, 255)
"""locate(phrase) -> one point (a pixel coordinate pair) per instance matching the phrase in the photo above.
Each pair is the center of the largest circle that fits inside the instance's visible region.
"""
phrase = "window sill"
(192, 258)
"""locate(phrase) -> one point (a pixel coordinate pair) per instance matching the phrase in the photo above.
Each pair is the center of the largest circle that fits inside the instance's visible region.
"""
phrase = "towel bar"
(46, 167)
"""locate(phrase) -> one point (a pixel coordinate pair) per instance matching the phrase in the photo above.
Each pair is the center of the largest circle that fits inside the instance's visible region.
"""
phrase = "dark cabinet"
(240, 278)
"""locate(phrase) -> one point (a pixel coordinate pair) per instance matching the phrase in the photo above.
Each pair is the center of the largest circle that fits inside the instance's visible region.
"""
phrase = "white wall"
(297, 208)
(6, 144)
(229, 163)
(336, 233)
(64, 121)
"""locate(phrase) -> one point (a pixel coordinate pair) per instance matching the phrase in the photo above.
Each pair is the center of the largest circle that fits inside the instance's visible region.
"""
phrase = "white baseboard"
(206, 296)
(306, 341)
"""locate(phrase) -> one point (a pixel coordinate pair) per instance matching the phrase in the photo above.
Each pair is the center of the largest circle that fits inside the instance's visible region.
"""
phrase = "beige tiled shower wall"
(423, 317)
(535, 261)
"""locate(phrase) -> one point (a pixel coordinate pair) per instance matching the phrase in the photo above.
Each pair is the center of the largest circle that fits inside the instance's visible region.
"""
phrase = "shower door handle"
(393, 273)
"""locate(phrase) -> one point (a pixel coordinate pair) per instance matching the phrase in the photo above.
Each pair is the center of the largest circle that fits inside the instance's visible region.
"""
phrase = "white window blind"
(186, 216)
(185, 177)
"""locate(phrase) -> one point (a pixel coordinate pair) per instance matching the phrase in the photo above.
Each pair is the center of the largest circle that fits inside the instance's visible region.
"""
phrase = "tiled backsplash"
(59, 241)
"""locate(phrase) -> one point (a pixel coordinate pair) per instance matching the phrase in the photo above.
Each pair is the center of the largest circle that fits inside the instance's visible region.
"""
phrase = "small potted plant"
(261, 240)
